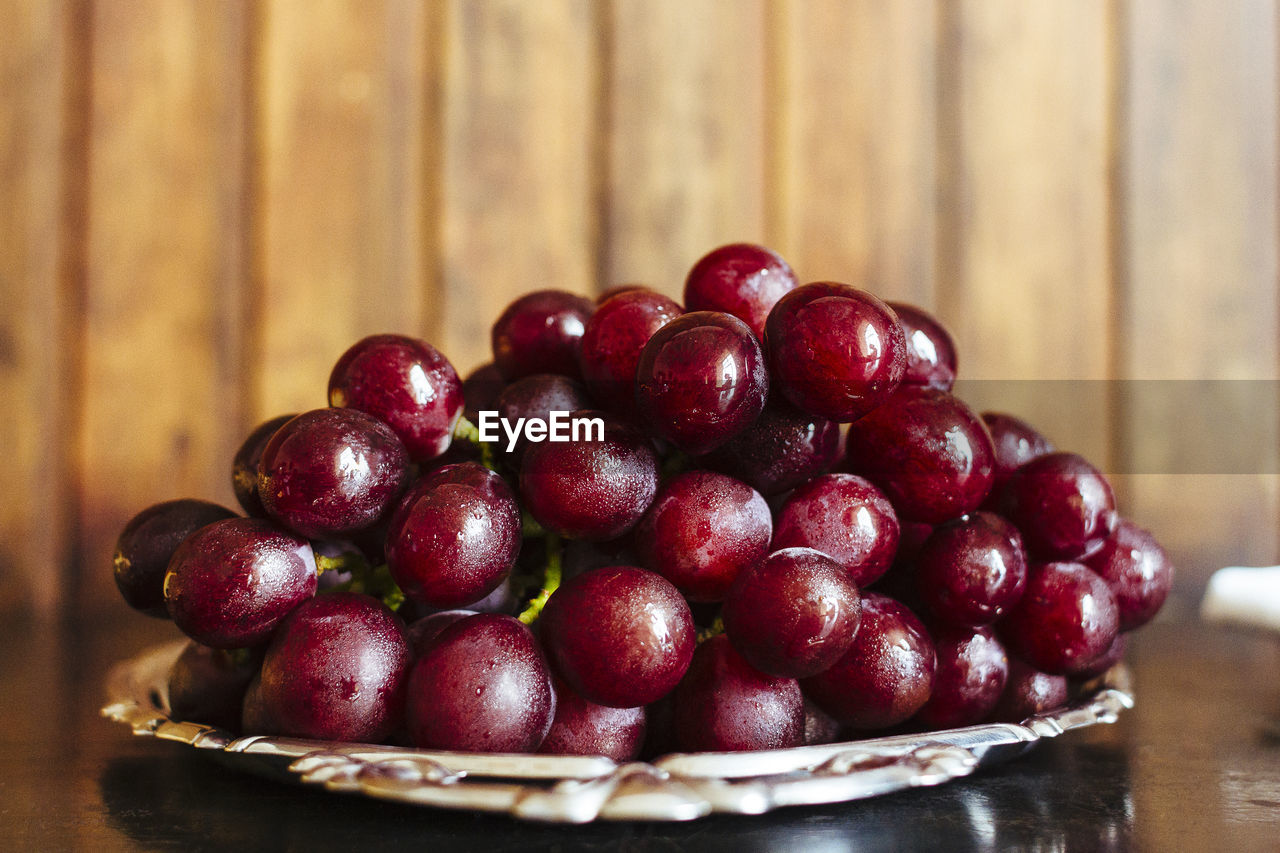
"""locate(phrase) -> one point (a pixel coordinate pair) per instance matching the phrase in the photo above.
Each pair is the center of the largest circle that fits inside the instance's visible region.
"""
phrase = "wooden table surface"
(1188, 769)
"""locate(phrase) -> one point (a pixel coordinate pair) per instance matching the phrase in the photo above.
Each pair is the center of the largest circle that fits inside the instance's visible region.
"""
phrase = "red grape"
(1066, 618)
(969, 680)
(585, 728)
(244, 466)
(971, 570)
(541, 332)
(207, 685)
(741, 279)
(835, 350)
(612, 342)
(1062, 504)
(1028, 691)
(844, 517)
(1138, 571)
(148, 542)
(703, 529)
(781, 450)
(931, 354)
(1016, 442)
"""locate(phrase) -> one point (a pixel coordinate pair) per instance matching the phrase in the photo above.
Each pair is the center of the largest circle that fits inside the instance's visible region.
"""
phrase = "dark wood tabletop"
(1190, 768)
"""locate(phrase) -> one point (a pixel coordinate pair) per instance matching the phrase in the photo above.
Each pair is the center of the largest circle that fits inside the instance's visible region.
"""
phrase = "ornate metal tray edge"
(573, 789)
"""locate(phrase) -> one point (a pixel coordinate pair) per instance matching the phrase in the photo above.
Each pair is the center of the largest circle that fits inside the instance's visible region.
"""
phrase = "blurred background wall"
(204, 202)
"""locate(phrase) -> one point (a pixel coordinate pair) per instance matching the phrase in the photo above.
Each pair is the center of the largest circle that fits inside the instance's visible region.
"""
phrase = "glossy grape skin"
(620, 636)
(835, 350)
(1027, 692)
(337, 669)
(422, 632)
(1138, 571)
(724, 704)
(585, 728)
(927, 451)
(1066, 618)
(405, 383)
(931, 354)
(455, 536)
(700, 380)
(970, 677)
(971, 570)
(231, 582)
(783, 448)
(1113, 654)
(541, 332)
(1016, 443)
(482, 686)
(742, 279)
(845, 517)
(613, 340)
(332, 472)
(886, 676)
(147, 543)
(480, 390)
(208, 685)
(1062, 504)
(244, 466)
(535, 396)
(590, 489)
(701, 530)
(794, 613)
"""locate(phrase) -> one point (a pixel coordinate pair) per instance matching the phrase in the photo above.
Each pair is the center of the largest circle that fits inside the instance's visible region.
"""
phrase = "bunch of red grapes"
(722, 565)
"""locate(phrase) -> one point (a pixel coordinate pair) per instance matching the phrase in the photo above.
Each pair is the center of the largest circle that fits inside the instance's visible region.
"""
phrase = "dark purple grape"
(590, 489)
(844, 517)
(969, 680)
(703, 529)
(336, 670)
(541, 332)
(1027, 692)
(929, 453)
(619, 636)
(455, 536)
(1062, 504)
(1016, 443)
(819, 726)
(332, 472)
(405, 383)
(231, 582)
(782, 449)
(535, 396)
(255, 719)
(244, 466)
(1092, 669)
(835, 350)
(887, 674)
(971, 570)
(148, 542)
(482, 686)
(723, 704)
(480, 390)
(423, 632)
(741, 279)
(1066, 618)
(207, 685)
(1138, 571)
(931, 354)
(794, 613)
(585, 728)
(612, 342)
(701, 380)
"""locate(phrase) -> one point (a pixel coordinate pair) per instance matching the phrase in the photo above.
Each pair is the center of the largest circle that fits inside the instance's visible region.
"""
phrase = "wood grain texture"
(518, 161)
(1023, 255)
(686, 143)
(36, 70)
(165, 264)
(1200, 303)
(852, 169)
(339, 123)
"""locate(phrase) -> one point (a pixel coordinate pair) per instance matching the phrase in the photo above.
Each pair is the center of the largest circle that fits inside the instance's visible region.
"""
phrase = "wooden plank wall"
(207, 202)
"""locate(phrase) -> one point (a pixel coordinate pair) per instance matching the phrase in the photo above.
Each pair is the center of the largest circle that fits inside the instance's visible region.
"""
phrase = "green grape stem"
(550, 581)
(716, 629)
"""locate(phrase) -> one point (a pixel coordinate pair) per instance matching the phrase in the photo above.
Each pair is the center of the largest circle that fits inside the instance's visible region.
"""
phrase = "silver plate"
(577, 789)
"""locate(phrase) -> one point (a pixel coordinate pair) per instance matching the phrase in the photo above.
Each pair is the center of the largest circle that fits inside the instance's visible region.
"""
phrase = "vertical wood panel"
(1023, 259)
(35, 63)
(1200, 223)
(852, 112)
(686, 140)
(518, 161)
(165, 264)
(341, 95)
